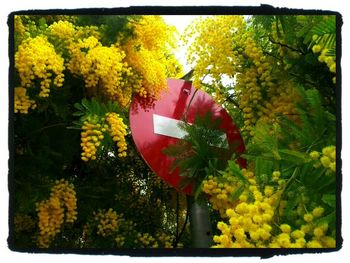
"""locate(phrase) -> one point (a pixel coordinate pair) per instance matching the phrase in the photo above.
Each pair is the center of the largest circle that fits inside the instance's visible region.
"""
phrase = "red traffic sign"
(154, 125)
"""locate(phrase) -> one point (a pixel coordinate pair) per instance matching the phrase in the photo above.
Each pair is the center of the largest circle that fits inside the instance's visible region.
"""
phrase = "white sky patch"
(181, 22)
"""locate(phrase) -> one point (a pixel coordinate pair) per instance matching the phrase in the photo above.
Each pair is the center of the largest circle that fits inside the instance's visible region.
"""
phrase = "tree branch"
(284, 45)
(48, 127)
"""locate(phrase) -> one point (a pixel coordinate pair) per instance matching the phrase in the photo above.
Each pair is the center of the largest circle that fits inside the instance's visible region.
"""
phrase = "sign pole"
(201, 232)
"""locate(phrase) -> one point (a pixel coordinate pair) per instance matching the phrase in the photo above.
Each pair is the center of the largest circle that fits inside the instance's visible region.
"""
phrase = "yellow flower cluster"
(93, 133)
(65, 192)
(78, 51)
(117, 130)
(256, 79)
(327, 158)
(107, 72)
(219, 193)
(108, 221)
(18, 25)
(35, 59)
(324, 57)
(22, 101)
(249, 96)
(132, 82)
(329, 60)
(146, 240)
(251, 221)
(161, 240)
(51, 217)
(164, 240)
(23, 223)
(91, 138)
(210, 50)
(103, 64)
(282, 102)
(316, 49)
(174, 68)
(309, 235)
(147, 53)
(120, 240)
(222, 47)
(102, 68)
(82, 32)
(52, 213)
(62, 29)
(153, 32)
(150, 68)
(55, 18)
(142, 92)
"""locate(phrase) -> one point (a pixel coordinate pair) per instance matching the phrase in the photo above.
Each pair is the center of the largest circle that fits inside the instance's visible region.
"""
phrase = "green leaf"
(291, 204)
(263, 169)
(325, 29)
(85, 103)
(326, 219)
(78, 106)
(308, 174)
(329, 199)
(198, 190)
(42, 23)
(78, 113)
(295, 157)
(327, 26)
(172, 150)
(236, 171)
(330, 116)
(237, 193)
(305, 29)
(95, 107)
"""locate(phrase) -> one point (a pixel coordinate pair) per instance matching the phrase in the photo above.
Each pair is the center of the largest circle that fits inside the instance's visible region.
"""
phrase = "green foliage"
(94, 107)
(286, 145)
(47, 148)
(322, 30)
(46, 143)
(202, 148)
(317, 127)
(112, 28)
(288, 41)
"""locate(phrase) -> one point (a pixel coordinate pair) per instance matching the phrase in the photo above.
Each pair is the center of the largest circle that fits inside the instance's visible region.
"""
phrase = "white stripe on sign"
(170, 127)
(167, 126)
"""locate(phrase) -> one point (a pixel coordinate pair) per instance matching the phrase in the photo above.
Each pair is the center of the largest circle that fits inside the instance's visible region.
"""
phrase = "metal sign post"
(201, 232)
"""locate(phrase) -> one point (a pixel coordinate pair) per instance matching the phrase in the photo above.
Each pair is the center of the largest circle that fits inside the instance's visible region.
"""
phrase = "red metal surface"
(173, 104)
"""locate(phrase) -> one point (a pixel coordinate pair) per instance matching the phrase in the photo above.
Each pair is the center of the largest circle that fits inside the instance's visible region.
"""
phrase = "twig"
(296, 170)
(189, 104)
(229, 98)
(48, 127)
(177, 214)
(284, 45)
(303, 79)
(182, 230)
(271, 55)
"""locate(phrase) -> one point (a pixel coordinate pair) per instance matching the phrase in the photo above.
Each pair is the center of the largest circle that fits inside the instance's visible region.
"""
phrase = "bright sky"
(181, 22)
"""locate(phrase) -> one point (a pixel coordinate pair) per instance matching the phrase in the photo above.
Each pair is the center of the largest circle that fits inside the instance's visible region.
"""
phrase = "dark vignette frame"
(178, 10)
